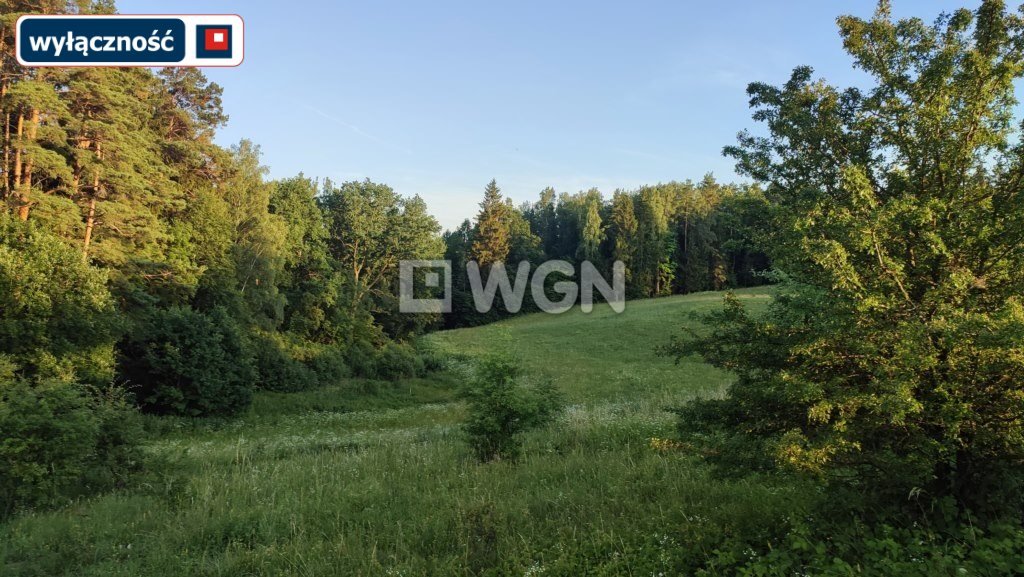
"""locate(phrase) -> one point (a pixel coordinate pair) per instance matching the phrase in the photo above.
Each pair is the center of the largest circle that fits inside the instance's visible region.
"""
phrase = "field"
(371, 478)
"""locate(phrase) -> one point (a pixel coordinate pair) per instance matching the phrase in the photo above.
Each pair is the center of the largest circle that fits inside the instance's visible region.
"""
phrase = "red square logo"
(217, 39)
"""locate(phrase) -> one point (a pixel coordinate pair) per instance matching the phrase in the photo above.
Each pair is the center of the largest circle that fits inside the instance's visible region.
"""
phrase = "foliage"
(397, 361)
(58, 319)
(491, 238)
(284, 362)
(891, 362)
(371, 229)
(184, 362)
(58, 440)
(501, 408)
(673, 238)
(825, 548)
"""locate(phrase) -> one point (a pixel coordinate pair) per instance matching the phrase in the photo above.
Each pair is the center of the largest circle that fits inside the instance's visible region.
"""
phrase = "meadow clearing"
(373, 478)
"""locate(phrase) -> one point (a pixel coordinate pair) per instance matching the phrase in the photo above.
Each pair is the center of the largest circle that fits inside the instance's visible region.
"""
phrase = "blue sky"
(436, 98)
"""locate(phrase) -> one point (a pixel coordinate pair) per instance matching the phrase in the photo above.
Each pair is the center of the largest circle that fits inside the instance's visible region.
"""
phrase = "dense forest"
(143, 265)
(674, 238)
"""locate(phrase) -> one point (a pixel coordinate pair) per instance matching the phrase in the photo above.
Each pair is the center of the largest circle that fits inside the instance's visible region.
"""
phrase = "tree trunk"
(6, 184)
(90, 215)
(17, 154)
(90, 220)
(7, 155)
(25, 202)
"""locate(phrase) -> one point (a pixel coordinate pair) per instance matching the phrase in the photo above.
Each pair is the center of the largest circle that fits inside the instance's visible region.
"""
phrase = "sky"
(437, 98)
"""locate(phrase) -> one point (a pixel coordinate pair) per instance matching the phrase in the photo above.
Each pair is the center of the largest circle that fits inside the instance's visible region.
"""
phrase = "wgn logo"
(431, 274)
(130, 40)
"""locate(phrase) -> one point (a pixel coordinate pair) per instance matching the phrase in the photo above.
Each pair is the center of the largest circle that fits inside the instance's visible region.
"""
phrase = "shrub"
(329, 365)
(501, 407)
(58, 440)
(180, 361)
(118, 453)
(397, 361)
(391, 362)
(277, 369)
(58, 318)
(285, 362)
(361, 357)
(845, 548)
(433, 359)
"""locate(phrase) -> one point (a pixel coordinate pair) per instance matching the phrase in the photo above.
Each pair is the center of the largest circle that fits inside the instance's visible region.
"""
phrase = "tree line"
(673, 238)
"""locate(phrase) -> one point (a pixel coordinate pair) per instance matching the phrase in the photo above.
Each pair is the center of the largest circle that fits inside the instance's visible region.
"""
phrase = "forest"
(147, 263)
(154, 283)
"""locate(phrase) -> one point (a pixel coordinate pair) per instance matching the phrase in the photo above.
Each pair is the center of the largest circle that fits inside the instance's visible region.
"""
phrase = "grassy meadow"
(373, 478)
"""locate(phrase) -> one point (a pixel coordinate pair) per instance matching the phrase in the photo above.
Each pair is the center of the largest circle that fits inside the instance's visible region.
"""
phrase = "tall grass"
(366, 478)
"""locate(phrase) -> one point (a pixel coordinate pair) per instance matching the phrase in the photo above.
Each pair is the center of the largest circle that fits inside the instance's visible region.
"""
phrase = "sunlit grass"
(373, 479)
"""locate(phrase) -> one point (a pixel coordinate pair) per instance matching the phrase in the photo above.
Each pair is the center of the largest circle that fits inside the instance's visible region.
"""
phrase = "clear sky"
(436, 98)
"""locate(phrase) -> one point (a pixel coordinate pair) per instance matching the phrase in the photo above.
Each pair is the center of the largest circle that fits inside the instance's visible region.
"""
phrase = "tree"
(698, 259)
(501, 406)
(58, 319)
(370, 230)
(458, 246)
(653, 270)
(543, 220)
(309, 282)
(185, 362)
(491, 236)
(524, 245)
(592, 233)
(193, 107)
(892, 360)
(624, 234)
(739, 224)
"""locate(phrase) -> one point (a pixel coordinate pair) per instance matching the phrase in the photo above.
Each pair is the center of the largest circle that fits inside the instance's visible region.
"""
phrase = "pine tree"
(624, 231)
(492, 236)
(591, 234)
(544, 221)
(655, 243)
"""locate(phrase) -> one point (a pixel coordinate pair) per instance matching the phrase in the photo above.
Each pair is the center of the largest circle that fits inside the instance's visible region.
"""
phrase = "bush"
(58, 440)
(277, 369)
(329, 365)
(361, 357)
(433, 359)
(183, 362)
(57, 320)
(288, 363)
(845, 548)
(398, 361)
(391, 362)
(501, 407)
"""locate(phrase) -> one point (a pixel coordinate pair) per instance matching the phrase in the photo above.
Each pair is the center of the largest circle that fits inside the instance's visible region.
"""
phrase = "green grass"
(603, 356)
(367, 478)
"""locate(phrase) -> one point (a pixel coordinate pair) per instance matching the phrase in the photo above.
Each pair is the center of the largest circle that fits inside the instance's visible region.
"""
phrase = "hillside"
(369, 478)
(603, 356)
